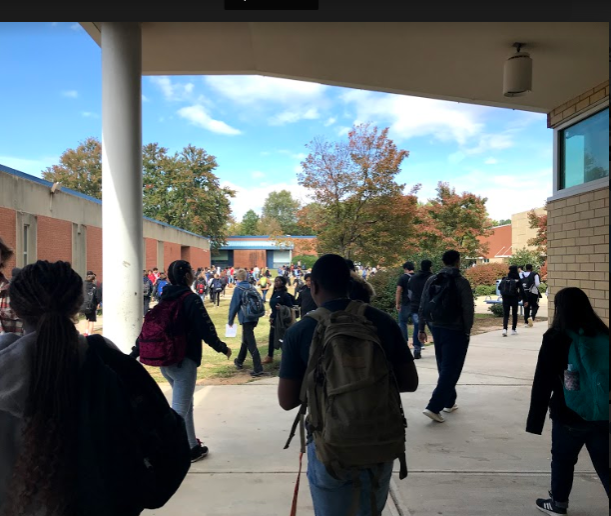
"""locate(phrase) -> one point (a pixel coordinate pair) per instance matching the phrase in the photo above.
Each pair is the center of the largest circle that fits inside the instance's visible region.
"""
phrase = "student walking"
(91, 300)
(416, 287)
(147, 292)
(572, 380)
(216, 287)
(201, 286)
(279, 297)
(177, 350)
(531, 281)
(402, 298)
(447, 306)
(159, 285)
(9, 322)
(304, 300)
(512, 292)
(247, 304)
(353, 478)
(264, 284)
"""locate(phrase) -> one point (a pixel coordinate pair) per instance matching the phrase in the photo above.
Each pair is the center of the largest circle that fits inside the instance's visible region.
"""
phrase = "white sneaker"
(530, 322)
(434, 416)
(451, 409)
(514, 332)
(504, 333)
(526, 325)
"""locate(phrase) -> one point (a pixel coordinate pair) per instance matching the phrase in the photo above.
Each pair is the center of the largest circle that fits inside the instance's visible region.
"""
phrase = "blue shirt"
(297, 341)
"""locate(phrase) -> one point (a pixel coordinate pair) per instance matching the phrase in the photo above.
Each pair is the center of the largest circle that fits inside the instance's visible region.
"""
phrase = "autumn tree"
(282, 207)
(453, 221)
(359, 210)
(539, 223)
(249, 223)
(268, 226)
(79, 169)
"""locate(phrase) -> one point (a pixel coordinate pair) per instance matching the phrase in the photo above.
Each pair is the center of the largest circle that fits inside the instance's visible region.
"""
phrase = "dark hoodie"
(416, 287)
(199, 325)
(360, 290)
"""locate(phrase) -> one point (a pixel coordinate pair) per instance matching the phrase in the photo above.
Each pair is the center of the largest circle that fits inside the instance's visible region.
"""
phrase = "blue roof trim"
(49, 184)
(265, 236)
(256, 247)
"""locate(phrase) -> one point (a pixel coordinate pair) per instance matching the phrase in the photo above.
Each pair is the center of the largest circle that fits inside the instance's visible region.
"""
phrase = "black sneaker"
(199, 452)
(237, 365)
(417, 355)
(257, 374)
(549, 506)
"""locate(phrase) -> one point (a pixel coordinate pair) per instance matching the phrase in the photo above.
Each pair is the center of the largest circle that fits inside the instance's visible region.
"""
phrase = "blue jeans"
(567, 442)
(404, 314)
(182, 378)
(416, 321)
(450, 351)
(334, 497)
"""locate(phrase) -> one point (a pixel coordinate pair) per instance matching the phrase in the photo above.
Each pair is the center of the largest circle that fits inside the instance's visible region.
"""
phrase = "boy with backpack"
(531, 281)
(147, 292)
(447, 307)
(352, 357)
(572, 381)
(512, 292)
(247, 304)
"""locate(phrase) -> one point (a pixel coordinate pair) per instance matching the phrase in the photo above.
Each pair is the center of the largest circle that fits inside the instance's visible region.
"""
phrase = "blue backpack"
(586, 385)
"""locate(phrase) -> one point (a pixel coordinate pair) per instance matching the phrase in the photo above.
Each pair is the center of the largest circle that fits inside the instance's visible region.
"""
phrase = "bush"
(496, 309)
(543, 288)
(485, 290)
(486, 274)
(524, 256)
(306, 260)
(385, 286)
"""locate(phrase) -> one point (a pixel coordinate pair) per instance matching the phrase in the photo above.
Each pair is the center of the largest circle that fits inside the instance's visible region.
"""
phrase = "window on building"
(26, 235)
(584, 150)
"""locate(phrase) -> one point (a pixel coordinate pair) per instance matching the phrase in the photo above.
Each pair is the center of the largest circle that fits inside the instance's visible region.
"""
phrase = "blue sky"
(257, 127)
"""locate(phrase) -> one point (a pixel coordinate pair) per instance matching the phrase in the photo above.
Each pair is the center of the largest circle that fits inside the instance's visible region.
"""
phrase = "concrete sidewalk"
(480, 462)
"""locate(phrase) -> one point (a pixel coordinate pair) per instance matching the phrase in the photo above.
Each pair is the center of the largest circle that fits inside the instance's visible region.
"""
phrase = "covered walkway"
(479, 463)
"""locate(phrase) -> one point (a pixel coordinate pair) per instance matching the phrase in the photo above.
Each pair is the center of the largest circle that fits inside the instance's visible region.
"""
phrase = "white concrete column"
(122, 181)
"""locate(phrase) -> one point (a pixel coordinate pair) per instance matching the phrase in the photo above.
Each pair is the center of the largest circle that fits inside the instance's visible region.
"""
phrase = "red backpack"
(163, 339)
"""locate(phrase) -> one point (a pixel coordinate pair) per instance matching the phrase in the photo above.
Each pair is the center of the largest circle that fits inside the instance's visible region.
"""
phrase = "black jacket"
(416, 287)
(199, 325)
(280, 297)
(548, 388)
(305, 301)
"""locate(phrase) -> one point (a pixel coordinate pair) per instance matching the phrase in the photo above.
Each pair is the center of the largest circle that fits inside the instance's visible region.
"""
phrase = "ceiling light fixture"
(517, 73)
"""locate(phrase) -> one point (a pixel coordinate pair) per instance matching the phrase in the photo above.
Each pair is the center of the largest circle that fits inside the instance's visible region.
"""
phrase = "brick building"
(67, 225)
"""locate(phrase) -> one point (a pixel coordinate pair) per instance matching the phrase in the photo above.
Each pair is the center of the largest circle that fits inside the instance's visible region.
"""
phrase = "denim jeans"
(450, 351)
(264, 295)
(249, 343)
(567, 442)
(416, 321)
(334, 497)
(147, 304)
(182, 378)
(404, 314)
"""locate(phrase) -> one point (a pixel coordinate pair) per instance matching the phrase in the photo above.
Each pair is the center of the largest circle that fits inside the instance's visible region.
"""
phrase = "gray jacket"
(16, 356)
(464, 320)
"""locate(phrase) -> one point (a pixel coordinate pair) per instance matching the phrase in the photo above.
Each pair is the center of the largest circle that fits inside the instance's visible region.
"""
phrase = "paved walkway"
(481, 462)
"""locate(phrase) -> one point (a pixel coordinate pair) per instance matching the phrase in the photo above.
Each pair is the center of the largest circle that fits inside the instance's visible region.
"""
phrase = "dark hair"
(177, 272)
(573, 311)
(14, 272)
(528, 267)
(282, 280)
(451, 257)
(426, 265)
(350, 265)
(48, 296)
(307, 276)
(331, 273)
(513, 272)
(6, 253)
(409, 266)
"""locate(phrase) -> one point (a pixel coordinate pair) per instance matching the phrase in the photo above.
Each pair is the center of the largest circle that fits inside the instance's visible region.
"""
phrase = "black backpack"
(133, 450)
(146, 289)
(89, 302)
(251, 304)
(508, 287)
(443, 306)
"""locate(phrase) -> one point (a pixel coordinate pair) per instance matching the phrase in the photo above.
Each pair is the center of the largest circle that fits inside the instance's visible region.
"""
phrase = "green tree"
(249, 223)
(79, 169)
(524, 256)
(282, 207)
(539, 223)
(502, 222)
(359, 210)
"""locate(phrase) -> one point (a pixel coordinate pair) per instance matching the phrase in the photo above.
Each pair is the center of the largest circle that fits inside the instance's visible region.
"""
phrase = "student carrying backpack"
(572, 381)
(512, 291)
(352, 362)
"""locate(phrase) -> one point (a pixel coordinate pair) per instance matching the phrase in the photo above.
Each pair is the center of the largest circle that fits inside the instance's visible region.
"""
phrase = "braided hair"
(177, 272)
(48, 296)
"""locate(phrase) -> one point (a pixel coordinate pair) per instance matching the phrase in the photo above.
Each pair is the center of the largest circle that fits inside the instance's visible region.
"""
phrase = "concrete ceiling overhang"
(453, 61)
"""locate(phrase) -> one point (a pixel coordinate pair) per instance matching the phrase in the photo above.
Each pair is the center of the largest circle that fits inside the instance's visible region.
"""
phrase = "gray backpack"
(351, 396)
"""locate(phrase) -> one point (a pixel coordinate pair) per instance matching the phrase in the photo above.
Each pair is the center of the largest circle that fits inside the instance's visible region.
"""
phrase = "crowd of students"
(344, 363)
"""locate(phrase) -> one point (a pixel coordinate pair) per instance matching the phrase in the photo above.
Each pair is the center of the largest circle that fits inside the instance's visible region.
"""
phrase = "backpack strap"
(357, 308)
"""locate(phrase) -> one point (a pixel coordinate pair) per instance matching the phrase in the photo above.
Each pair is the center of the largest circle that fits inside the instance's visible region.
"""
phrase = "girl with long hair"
(576, 324)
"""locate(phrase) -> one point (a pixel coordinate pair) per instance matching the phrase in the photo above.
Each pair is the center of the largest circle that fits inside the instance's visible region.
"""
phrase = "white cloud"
(343, 131)
(491, 161)
(290, 116)
(54, 24)
(89, 114)
(29, 166)
(197, 115)
(75, 26)
(71, 94)
(145, 98)
(253, 198)
(330, 121)
(173, 90)
(257, 174)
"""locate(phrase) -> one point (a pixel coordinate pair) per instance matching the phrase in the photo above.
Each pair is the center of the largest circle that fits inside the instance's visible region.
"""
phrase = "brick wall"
(575, 106)
(8, 228)
(249, 258)
(578, 250)
(94, 251)
(150, 253)
(199, 257)
(171, 252)
(54, 239)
